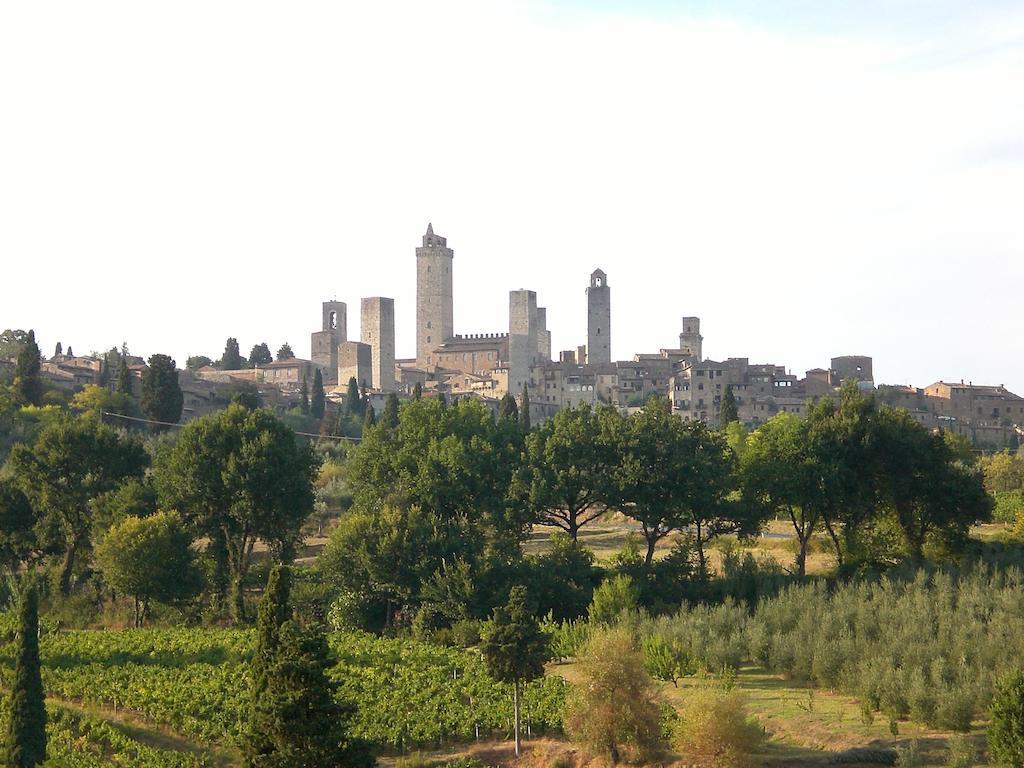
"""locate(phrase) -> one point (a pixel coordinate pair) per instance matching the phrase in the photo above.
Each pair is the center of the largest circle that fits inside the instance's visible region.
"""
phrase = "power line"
(179, 426)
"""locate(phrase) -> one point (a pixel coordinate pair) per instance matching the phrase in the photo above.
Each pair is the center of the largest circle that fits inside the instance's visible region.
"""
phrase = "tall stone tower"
(599, 319)
(324, 343)
(690, 338)
(522, 339)
(434, 323)
(377, 329)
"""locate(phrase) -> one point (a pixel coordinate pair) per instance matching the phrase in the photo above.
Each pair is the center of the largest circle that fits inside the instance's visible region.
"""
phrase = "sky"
(810, 179)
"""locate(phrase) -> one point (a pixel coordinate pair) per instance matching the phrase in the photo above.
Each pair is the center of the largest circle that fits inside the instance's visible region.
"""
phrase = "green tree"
(318, 400)
(135, 497)
(161, 398)
(727, 410)
(295, 716)
(26, 727)
(241, 476)
(508, 409)
(72, 462)
(285, 352)
(96, 401)
(273, 611)
(354, 404)
(778, 476)
(514, 648)
(11, 343)
(260, 355)
(674, 475)
(59, 350)
(371, 418)
(391, 408)
(417, 391)
(27, 379)
(615, 595)
(613, 708)
(231, 360)
(923, 483)
(524, 410)
(195, 362)
(304, 395)
(1006, 732)
(149, 558)
(124, 377)
(567, 476)
(17, 521)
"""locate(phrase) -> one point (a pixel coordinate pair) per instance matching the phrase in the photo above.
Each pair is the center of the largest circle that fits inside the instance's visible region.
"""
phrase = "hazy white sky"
(810, 180)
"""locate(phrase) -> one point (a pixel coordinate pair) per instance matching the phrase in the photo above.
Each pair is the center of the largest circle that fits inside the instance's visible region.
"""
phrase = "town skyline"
(867, 204)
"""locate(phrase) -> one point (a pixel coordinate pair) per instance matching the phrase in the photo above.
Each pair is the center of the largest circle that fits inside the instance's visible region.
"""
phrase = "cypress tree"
(443, 398)
(27, 379)
(272, 613)
(390, 416)
(316, 405)
(304, 404)
(727, 410)
(524, 410)
(231, 360)
(160, 393)
(124, 377)
(59, 350)
(508, 410)
(26, 732)
(417, 391)
(295, 719)
(371, 417)
(70, 353)
(353, 400)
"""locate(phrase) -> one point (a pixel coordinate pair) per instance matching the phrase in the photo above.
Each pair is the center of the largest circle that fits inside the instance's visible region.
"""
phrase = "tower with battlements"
(599, 319)
(434, 315)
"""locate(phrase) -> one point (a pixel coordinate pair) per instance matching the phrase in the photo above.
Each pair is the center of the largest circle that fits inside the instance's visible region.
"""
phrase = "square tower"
(599, 319)
(434, 317)
(522, 339)
(354, 362)
(324, 343)
(377, 329)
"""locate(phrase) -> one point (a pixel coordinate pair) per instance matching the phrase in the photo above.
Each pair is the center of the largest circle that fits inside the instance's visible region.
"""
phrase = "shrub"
(961, 752)
(614, 597)
(908, 754)
(1006, 732)
(613, 712)
(715, 730)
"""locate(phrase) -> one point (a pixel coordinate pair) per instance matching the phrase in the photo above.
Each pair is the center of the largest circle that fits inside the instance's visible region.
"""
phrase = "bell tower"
(599, 319)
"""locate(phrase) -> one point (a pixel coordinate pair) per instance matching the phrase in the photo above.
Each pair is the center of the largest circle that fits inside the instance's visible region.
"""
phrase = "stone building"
(599, 319)
(355, 361)
(690, 339)
(856, 367)
(324, 343)
(473, 352)
(377, 329)
(522, 344)
(434, 305)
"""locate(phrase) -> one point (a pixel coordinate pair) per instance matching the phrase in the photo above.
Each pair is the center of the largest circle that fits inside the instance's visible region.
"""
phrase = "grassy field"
(803, 729)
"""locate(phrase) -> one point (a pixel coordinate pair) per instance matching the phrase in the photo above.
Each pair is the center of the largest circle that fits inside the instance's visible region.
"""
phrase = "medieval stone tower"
(377, 328)
(690, 338)
(434, 318)
(599, 319)
(324, 343)
(522, 338)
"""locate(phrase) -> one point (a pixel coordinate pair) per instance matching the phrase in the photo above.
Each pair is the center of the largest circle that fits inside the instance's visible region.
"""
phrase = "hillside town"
(489, 365)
